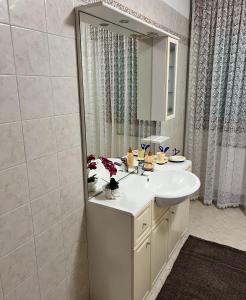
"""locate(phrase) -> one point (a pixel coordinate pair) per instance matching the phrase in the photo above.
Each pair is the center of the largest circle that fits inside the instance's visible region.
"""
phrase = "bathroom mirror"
(115, 82)
(111, 82)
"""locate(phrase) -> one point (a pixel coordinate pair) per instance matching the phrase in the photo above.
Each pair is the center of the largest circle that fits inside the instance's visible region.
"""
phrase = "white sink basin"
(173, 186)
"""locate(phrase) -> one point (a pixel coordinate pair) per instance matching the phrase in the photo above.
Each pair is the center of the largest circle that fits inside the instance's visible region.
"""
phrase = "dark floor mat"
(206, 271)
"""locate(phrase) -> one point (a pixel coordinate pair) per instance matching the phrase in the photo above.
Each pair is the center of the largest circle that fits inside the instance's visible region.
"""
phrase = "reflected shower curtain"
(110, 92)
(216, 119)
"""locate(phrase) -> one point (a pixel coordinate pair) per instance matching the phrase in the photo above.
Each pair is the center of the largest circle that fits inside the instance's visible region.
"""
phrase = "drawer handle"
(167, 219)
(144, 224)
(172, 212)
(147, 244)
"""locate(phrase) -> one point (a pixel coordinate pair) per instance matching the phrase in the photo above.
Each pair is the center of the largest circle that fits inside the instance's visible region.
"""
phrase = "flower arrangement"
(113, 185)
(91, 165)
(109, 165)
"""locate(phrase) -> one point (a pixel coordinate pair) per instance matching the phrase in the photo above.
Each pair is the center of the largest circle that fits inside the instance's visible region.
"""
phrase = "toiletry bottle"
(160, 156)
(148, 162)
(140, 154)
(130, 158)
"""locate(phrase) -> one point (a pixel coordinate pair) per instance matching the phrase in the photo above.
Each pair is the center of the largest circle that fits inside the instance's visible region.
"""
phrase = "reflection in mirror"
(171, 79)
(110, 88)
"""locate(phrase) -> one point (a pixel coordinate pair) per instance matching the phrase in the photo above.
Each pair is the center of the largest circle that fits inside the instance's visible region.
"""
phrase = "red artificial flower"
(109, 165)
(90, 158)
(92, 166)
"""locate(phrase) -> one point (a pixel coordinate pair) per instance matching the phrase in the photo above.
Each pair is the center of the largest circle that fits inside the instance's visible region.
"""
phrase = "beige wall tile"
(62, 56)
(59, 292)
(74, 229)
(16, 229)
(13, 188)
(71, 197)
(28, 13)
(31, 52)
(35, 97)
(11, 146)
(67, 131)
(76, 257)
(69, 162)
(39, 137)
(17, 266)
(28, 290)
(60, 17)
(6, 51)
(78, 285)
(1, 292)
(42, 175)
(46, 211)
(49, 244)
(52, 274)
(4, 15)
(65, 88)
(9, 102)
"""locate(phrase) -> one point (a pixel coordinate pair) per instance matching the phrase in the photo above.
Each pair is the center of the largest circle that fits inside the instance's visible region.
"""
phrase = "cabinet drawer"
(157, 212)
(142, 225)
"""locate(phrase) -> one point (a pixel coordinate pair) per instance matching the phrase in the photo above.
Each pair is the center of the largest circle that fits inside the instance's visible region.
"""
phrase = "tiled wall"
(43, 252)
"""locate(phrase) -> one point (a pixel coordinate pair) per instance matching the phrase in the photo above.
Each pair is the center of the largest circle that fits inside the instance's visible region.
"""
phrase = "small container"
(160, 156)
(148, 162)
(141, 154)
(130, 159)
(92, 186)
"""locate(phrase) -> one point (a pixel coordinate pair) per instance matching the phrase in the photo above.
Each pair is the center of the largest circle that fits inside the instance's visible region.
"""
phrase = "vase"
(92, 186)
(111, 194)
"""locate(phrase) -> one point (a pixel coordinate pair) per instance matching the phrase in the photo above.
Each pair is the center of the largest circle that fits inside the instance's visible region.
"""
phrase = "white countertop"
(134, 202)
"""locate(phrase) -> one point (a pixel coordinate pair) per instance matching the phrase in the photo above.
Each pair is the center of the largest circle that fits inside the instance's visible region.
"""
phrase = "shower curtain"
(109, 63)
(216, 116)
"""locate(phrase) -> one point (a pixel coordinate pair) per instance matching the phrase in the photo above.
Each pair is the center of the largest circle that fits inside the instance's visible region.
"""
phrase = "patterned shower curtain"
(216, 117)
(109, 63)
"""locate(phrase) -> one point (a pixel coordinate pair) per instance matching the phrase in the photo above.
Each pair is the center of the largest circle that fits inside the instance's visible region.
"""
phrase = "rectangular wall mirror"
(115, 64)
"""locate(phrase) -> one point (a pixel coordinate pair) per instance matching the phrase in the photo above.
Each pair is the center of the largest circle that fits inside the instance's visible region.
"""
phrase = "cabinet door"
(159, 241)
(172, 56)
(178, 223)
(175, 221)
(186, 212)
(142, 270)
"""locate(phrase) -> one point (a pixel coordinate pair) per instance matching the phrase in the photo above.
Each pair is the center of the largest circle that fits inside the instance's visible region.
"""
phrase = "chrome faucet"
(140, 167)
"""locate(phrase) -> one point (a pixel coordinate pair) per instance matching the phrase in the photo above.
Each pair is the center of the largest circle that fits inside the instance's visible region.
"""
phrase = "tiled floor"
(224, 226)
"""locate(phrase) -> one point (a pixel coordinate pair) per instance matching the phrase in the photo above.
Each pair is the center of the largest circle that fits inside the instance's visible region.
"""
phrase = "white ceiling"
(182, 6)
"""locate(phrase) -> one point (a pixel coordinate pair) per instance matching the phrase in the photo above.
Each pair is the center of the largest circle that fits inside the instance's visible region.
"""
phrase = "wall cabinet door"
(172, 56)
(164, 78)
(159, 243)
(142, 270)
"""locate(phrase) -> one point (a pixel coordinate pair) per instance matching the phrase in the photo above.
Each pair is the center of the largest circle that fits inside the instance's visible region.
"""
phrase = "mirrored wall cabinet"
(157, 66)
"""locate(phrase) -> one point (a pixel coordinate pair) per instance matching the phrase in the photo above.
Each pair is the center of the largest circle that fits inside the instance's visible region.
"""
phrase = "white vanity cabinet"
(127, 252)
